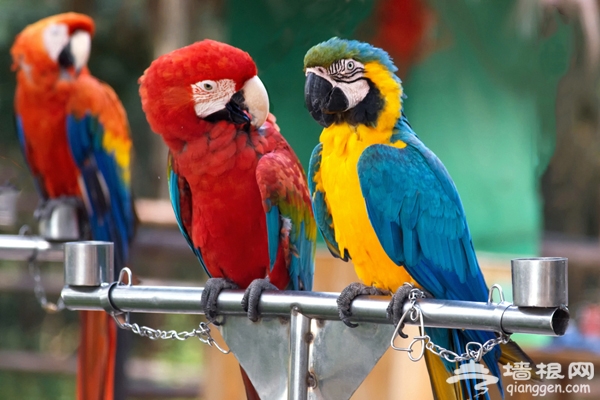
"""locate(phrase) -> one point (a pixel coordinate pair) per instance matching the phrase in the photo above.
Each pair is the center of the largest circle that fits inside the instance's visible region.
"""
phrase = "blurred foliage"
(484, 102)
(20, 385)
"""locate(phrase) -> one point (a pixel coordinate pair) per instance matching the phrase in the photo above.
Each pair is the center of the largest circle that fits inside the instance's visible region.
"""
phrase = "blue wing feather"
(273, 233)
(108, 198)
(287, 211)
(417, 215)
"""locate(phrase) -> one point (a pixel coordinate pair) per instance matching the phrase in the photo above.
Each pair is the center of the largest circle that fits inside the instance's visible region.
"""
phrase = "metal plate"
(263, 350)
(340, 358)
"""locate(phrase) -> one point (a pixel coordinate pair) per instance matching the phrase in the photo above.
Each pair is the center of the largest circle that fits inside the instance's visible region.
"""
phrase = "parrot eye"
(350, 65)
(208, 86)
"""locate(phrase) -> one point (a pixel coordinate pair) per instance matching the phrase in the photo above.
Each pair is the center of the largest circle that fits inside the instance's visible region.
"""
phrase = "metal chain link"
(122, 319)
(473, 350)
(482, 349)
(38, 287)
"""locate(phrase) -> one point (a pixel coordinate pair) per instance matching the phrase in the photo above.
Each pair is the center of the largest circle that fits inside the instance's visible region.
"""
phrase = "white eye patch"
(211, 96)
(348, 76)
(55, 38)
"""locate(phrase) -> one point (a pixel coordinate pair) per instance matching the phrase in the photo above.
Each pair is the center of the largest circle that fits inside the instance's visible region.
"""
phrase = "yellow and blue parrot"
(384, 200)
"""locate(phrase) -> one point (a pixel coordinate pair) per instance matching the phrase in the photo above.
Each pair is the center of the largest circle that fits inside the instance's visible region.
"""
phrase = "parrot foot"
(348, 295)
(211, 291)
(395, 309)
(252, 297)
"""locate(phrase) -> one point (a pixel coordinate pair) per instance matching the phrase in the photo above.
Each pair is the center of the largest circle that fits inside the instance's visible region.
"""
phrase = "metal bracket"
(301, 358)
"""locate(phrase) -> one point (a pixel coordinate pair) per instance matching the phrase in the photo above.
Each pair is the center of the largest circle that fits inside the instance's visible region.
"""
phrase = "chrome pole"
(499, 317)
(299, 340)
(23, 248)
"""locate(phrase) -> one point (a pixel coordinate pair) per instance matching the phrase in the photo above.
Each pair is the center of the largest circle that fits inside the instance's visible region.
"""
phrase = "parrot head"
(351, 82)
(52, 49)
(207, 81)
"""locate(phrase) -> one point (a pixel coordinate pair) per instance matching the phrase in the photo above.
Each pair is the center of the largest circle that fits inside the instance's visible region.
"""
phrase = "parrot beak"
(322, 99)
(76, 53)
(250, 105)
(256, 101)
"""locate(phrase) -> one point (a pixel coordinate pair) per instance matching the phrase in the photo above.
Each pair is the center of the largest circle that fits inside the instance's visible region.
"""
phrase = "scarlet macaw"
(239, 193)
(74, 134)
(384, 200)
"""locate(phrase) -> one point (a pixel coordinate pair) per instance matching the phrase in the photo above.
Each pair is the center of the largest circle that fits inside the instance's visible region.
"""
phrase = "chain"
(482, 349)
(473, 350)
(40, 292)
(38, 287)
(122, 319)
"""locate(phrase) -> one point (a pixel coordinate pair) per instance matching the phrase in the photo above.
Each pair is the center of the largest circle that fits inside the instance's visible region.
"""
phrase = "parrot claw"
(395, 309)
(210, 294)
(348, 295)
(252, 297)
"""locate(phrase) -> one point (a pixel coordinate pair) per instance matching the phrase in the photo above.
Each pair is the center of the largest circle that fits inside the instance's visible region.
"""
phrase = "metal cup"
(89, 263)
(540, 282)
(62, 224)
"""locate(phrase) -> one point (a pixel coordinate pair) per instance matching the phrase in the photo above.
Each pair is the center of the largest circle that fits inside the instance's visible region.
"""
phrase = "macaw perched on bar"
(384, 200)
(238, 190)
(74, 134)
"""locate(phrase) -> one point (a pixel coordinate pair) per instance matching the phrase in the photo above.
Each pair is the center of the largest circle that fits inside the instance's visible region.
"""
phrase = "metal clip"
(415, 313)
(423, 338)
(120, 317)
(491, 294)
(474, 354)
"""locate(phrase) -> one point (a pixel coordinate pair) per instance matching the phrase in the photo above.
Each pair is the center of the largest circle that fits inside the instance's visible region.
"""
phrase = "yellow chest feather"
(342, 146)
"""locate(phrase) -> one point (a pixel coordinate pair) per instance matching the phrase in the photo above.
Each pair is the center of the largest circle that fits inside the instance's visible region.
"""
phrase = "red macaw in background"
(239, 193)
(74, 134)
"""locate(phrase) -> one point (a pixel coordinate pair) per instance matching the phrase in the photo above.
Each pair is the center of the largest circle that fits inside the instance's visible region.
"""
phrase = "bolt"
(309, 337)
(311, 380)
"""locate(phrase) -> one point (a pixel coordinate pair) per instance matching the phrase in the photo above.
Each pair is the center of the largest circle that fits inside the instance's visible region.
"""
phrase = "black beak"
(323, 100)
(234, 111)
(66, 59)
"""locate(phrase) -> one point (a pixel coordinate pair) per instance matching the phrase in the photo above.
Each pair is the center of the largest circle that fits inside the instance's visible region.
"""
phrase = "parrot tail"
(438, 374)
(512, 353)
(96, 358)
(454, 381)
(251, 393)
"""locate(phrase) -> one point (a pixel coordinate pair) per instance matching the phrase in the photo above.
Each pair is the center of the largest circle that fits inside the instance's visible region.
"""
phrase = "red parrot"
(238, 190)
(74, 134)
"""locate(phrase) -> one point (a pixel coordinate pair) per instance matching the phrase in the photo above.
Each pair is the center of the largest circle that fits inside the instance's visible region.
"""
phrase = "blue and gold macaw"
(384, 200)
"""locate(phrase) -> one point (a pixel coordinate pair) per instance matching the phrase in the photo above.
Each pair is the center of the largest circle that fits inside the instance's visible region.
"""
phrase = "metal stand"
(25, 248)
(300, 349)
(58, 223)
(299, 339)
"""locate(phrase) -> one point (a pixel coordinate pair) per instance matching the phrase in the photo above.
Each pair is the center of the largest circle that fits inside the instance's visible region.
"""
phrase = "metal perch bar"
(23, 248)
(499, 317)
